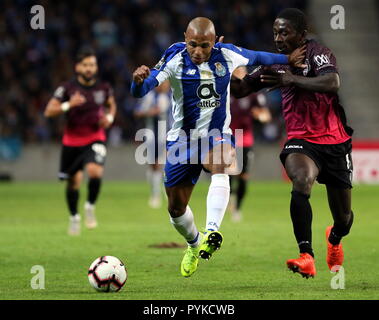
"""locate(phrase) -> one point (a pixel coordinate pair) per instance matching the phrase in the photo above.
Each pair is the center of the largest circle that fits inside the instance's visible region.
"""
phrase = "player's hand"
(140, 74)
(263, 115)
(77, 99)
(296, 58)
(104, 122)
(221, 39)
(277, 80)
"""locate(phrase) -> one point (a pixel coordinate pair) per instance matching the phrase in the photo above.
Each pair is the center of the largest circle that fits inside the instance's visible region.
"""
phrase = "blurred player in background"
(154, 107)
(199, 71)
(243, 111)
(319, 140)
(89, 108)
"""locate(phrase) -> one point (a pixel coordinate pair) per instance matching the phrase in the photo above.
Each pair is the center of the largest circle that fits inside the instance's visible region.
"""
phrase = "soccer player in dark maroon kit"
(89, 108)
(243, 111)
(319, 140)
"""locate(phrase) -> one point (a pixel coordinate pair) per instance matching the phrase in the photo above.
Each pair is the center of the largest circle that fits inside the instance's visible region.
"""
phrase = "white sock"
(156, 182)
(185, 225)
(217, 200)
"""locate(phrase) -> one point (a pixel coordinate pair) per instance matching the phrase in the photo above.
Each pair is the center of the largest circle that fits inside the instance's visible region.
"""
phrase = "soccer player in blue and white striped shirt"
(199, 71)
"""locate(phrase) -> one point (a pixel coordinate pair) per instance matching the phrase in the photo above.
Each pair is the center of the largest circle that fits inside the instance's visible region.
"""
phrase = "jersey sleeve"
(253, 79)
(161, 72)
(322, 60)
(244, 57)
(61, 93)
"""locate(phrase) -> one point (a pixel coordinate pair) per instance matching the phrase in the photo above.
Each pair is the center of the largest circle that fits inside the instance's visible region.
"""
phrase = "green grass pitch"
(250, 265)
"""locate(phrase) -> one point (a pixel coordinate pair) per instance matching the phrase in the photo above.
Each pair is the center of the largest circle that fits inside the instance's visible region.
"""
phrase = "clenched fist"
(140, 74)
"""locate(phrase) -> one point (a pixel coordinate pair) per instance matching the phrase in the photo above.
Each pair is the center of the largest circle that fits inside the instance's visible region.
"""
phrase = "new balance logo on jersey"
(191, 72)
(292, 146)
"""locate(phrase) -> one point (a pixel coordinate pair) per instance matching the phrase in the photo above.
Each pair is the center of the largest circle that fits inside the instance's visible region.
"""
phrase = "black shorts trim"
(334, 161)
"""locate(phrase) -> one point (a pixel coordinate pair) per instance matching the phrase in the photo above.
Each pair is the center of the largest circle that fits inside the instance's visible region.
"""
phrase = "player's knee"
(218, 168)
(176, 210)
(94, 171)
(303, 182)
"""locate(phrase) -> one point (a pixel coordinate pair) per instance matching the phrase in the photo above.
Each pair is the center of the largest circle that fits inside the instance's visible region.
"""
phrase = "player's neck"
(86, 83)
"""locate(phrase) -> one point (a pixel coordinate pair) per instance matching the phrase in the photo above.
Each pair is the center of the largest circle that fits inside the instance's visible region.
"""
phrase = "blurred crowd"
(124, 33)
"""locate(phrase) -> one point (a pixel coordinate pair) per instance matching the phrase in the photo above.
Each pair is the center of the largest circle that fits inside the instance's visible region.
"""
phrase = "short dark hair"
(83, 53)
(296, 17)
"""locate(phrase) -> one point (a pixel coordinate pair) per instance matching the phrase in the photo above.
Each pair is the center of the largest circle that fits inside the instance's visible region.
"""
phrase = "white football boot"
(74, 225)
(90, 218)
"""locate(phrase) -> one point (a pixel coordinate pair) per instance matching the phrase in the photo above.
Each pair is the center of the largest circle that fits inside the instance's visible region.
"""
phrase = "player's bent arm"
(54, 108)
(267, 58)
(139, 90)
(328, 82)
(112, 106)
(239, 88)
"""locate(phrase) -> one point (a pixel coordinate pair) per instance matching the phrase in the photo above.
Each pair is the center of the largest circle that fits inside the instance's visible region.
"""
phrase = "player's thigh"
(339, 200)
(221, 156)
(94, 159)
(302, 170)
(178, 198)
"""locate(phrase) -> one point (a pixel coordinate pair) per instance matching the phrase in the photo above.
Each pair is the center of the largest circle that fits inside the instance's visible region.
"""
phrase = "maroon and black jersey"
(240, 110)
(82, 122)
(316, 117)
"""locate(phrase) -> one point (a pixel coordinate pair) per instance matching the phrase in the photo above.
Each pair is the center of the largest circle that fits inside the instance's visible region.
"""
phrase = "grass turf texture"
(250, 265)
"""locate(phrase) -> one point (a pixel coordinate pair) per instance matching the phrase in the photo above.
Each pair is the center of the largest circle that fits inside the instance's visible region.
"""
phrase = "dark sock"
(93, 189)
(340, 230)
(301, 216)
(231, 183)
(72, 198)
(241, 192)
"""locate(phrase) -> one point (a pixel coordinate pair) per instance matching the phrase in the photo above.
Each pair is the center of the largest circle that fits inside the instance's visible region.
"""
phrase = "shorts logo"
(100, 152)
(220, 69)
(293, 146)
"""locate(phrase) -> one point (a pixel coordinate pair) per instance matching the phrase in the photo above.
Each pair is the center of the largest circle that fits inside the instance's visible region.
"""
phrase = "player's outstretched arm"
(142, 82)
(294, 59)
(55, 107)
(328, 82)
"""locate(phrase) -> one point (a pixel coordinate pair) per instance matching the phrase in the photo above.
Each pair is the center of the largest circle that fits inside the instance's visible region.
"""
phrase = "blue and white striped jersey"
(201, 93)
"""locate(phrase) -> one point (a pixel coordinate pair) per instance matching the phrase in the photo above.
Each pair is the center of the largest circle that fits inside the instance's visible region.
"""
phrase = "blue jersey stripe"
(190, 83)
(222, 77)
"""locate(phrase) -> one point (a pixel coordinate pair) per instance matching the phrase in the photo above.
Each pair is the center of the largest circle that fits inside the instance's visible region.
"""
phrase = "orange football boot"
(334, 256)
(305, 265)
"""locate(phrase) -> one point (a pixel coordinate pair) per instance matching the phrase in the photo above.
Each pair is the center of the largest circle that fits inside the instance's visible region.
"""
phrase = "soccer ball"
(107, 274)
